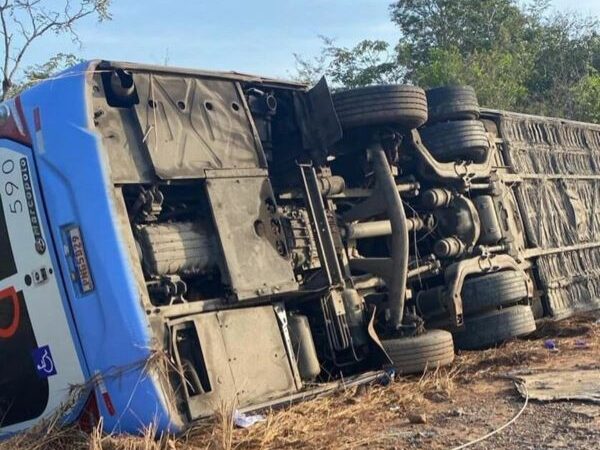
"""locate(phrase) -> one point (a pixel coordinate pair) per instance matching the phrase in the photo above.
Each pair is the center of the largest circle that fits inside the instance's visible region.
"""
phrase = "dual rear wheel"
(495, 326)
(435, 348)
(496, 309)
(449, 116)
(451, 131)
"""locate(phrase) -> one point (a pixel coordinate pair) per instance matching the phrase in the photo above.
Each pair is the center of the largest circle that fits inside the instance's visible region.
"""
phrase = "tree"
(38, 72)
(497, 76)
(517, 56)
(586, 98)
(24, 22)
(369, 62)
(567, 50)
(461, 26)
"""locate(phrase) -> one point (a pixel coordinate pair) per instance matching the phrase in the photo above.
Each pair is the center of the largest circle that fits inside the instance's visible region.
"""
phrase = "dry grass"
(530, 351)
(326, 422)
(361, 417)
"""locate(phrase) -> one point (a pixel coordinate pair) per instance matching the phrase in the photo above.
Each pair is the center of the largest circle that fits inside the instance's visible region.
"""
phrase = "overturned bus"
(171, 239)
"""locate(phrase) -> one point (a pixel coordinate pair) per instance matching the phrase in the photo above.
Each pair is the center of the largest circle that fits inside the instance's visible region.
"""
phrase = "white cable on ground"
(510, 422)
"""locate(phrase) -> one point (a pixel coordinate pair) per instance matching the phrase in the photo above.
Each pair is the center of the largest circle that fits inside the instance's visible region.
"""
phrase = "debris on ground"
(588, 411)
(458, 412)
(550, 344)
(561, 385)
(417, 417)
(242, 420)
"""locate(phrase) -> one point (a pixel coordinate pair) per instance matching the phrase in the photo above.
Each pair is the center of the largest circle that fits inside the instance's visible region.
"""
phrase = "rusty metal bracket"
(456, 274)
(462, 171)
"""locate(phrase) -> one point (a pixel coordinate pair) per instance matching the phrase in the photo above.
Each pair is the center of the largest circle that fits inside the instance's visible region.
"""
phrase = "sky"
(257, 36)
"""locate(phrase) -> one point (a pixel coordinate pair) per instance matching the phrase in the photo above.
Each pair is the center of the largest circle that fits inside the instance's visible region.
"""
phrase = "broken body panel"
(201, 243)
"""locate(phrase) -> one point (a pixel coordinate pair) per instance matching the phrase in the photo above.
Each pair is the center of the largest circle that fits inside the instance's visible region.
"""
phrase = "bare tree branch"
(24, 22)
(7, 42)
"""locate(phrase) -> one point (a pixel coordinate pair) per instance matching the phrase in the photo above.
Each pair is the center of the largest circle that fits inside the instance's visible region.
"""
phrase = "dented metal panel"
(243, 366)
(557, 184)
(190, 124)
(251, 236)
(320, 126)
(122, 140)
(560, 385)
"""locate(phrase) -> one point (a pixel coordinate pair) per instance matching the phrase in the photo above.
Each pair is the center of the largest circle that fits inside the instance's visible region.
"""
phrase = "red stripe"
(10, 130)
(109, 404)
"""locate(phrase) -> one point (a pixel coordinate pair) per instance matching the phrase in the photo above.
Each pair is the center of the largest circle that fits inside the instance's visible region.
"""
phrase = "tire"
(452, 103)
(494, 327)
(492, 291)
(432, 349)
(404, 106)
(465, 139)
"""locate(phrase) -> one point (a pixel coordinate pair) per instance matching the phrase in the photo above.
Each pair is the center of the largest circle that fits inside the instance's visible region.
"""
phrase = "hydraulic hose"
(395, 209)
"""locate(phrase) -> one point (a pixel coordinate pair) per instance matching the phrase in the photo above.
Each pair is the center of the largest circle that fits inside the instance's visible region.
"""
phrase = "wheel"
(404, 106)
(493, 290)
(452, 103)
(465, 139)
(432, 349)
(495, 327)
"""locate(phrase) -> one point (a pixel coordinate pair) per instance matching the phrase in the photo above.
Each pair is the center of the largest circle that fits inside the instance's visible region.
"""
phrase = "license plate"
(80, 260)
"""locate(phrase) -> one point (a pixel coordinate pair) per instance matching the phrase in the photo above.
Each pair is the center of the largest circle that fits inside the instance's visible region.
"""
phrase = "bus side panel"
(558, 191)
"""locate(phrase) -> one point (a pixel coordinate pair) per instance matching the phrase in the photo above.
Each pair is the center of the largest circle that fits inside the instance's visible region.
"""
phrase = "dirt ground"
(457, 405)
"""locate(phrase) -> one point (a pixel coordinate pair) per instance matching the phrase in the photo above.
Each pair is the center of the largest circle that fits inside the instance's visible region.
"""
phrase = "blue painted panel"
(77, 190)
